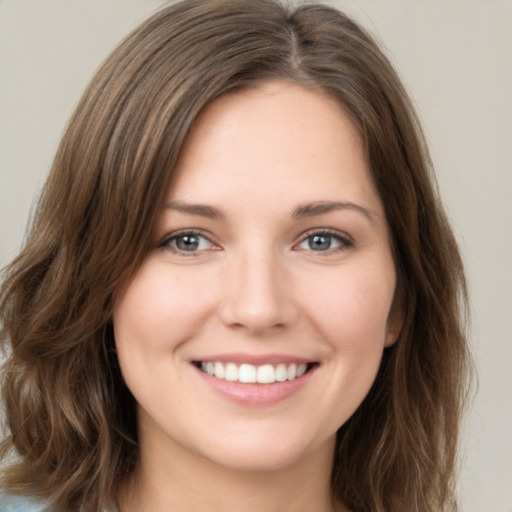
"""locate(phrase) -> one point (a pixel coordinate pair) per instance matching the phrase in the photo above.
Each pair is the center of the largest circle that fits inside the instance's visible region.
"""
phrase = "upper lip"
(254, 359)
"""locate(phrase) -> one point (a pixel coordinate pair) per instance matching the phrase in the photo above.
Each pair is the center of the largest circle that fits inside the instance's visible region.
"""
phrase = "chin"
(268, 453)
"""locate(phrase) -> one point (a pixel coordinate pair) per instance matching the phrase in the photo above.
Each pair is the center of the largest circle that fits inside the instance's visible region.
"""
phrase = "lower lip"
(256, 394)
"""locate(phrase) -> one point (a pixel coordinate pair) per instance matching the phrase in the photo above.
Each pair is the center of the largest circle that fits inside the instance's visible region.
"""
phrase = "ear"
(396, 317)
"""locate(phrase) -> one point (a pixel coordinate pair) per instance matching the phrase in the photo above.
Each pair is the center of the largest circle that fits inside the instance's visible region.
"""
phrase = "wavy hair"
(70, 420)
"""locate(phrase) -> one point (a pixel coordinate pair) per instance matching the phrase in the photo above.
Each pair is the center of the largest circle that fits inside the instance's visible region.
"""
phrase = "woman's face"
(256, 324)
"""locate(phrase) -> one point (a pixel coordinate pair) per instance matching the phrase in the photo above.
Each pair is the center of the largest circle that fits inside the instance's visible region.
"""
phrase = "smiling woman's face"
(255, 326)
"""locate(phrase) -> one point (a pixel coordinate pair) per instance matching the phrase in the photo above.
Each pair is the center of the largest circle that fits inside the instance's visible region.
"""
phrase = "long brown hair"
(70, 419)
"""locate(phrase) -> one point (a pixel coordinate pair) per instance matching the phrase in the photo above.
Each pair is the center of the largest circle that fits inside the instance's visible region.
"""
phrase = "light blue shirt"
(11, 503)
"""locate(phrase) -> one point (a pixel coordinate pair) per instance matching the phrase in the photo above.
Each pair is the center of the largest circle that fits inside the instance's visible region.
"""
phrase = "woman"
(240, 289)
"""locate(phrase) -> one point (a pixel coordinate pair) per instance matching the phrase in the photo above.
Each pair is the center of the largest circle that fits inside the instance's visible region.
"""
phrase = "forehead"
(276, 137)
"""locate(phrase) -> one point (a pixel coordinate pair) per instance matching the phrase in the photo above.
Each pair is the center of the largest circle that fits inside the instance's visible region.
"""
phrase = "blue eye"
(187, 242)
(325, 241)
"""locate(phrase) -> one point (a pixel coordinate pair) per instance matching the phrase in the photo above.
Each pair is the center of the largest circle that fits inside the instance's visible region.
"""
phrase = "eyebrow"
(302, 211)
(203, 210)
(320, 207)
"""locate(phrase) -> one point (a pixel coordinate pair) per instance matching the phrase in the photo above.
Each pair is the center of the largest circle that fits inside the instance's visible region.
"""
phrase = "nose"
(258, 296)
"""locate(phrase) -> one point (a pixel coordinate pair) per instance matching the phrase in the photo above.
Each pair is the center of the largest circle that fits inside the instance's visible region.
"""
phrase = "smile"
(253, 374)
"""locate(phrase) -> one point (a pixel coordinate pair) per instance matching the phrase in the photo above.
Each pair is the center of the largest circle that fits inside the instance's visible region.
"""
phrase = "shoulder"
(13, 503)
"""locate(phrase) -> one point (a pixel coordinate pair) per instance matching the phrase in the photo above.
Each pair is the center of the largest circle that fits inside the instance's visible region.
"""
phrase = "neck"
(187, 483)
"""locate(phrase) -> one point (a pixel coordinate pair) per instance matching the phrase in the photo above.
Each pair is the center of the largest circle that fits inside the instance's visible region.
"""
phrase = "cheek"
(351, 307)
(159, 308)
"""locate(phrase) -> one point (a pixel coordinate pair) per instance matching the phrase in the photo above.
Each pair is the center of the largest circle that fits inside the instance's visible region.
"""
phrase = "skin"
(262, 161)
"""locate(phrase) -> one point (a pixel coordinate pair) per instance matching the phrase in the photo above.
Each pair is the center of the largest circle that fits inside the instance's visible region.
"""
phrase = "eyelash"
(344, 241)
(167, 241)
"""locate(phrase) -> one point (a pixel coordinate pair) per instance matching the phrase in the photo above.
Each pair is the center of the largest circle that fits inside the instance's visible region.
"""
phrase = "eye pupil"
(187, 243)
(319, 242)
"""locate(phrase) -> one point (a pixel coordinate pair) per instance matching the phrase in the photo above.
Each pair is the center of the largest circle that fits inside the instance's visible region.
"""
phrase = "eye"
(324, 241)
(187, 242)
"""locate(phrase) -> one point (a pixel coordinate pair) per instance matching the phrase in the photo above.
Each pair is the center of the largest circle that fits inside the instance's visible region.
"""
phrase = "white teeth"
(248, 373)
(219, 370)
(301, 370)
(281, 373)
(291, 372)
(231, 372)
(266, 374)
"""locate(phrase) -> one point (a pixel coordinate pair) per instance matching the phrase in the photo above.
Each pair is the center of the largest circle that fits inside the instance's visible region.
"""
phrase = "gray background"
(455, 57)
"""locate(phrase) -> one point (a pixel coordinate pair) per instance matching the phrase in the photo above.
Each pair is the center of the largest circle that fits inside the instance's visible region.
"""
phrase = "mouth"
(246, 373)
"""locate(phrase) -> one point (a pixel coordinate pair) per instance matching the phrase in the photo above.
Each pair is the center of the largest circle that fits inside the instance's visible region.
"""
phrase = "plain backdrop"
(455, 57)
